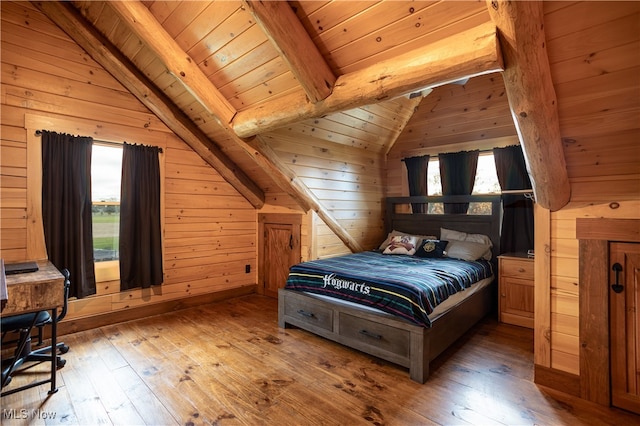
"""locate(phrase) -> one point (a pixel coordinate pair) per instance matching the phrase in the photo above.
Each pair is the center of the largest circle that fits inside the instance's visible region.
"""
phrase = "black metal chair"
(23, 325)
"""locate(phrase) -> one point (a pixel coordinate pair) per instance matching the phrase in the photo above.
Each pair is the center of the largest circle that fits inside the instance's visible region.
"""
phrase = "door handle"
(617, 287)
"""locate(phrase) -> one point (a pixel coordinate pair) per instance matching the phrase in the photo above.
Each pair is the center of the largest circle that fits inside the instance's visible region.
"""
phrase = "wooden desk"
(33, 292)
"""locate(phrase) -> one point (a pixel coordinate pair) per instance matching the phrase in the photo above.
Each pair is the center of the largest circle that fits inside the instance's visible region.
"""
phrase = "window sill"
(107, 271)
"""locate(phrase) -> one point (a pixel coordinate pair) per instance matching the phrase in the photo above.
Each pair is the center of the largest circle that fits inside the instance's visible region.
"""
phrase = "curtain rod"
(100, 142)
(481, 151)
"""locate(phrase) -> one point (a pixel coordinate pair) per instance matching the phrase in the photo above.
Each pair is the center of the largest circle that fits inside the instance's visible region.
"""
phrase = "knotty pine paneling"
(593, 57)
(347, 181)
(454, 117)
(565, 275)
(228, 45)
(354, 35)
(50, 83)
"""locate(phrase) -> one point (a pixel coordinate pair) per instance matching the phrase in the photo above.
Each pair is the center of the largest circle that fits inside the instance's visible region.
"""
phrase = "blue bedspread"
(406, 286)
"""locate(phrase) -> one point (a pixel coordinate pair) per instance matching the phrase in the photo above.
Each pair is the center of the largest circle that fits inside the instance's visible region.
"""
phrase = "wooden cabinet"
(624, 318)
(516, 288)
(279, 248)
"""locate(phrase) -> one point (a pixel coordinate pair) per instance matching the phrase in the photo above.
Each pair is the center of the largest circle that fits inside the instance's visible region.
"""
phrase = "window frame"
(36, 247)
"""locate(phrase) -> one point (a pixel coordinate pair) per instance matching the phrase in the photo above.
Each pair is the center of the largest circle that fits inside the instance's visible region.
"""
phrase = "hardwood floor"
(229, 363)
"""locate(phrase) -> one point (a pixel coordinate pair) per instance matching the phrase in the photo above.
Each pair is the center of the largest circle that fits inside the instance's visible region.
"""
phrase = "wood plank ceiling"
(224, 74)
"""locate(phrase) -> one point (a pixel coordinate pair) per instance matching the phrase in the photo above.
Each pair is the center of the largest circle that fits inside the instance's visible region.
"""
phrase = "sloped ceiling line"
(65, 16)
(72, 22)
(179, 64)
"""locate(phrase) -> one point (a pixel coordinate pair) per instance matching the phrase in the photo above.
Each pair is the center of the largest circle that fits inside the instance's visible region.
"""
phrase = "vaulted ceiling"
(223, 74)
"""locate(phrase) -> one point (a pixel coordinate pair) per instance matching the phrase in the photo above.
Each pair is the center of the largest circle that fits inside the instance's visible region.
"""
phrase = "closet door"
(625, 325)
(279, 249)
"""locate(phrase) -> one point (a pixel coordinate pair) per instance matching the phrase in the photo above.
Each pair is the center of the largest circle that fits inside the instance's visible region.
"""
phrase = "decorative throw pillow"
(466, 250)
(432, 248)
(402, 244)
(394, 233)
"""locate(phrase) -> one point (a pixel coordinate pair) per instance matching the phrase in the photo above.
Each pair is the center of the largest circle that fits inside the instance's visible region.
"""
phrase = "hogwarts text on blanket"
(339, 284)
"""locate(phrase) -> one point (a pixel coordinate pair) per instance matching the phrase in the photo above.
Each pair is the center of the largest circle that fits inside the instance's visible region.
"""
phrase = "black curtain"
(517, 219)
(417, 177)
(66, 208)
(457, 175)
(140, 228)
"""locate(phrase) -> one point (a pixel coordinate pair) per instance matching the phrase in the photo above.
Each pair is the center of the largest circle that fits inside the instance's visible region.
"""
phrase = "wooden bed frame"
(384, 335)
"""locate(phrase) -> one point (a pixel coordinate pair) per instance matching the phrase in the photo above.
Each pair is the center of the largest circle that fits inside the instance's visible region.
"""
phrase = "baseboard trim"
(74, 325)
(558, 380)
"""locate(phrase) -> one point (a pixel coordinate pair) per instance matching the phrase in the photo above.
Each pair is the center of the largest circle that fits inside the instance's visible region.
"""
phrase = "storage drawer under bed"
(309, 313)
(379, 336)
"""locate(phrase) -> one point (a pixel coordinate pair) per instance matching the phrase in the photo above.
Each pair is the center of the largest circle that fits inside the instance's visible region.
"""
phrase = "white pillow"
(452, 235)
(466, 250)
(402, 244)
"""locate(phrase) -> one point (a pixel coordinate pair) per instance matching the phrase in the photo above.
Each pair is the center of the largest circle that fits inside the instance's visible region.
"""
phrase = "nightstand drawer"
(517, 268)
(516, 289)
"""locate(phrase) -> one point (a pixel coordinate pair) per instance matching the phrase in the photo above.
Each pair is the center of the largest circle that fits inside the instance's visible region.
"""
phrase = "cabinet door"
(516, 301)
(625, 326)
(278, 244)
(279, 249)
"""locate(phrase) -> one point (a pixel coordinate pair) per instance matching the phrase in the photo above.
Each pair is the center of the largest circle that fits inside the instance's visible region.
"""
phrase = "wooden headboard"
(429, 224)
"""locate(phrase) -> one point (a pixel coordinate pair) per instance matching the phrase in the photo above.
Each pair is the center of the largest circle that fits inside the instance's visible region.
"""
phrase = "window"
(486, 176)
(103, 167)
(486, 182)
(106, 171)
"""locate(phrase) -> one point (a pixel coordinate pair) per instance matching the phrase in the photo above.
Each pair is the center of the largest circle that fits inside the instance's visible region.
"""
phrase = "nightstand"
(516, 289)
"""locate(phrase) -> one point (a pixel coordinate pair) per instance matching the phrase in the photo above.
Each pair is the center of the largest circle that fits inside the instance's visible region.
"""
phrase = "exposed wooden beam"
(155, 36)
(291, 40)
(102, 51)
(467, 54)
(142, 22)
(142, 88)
(532, 98)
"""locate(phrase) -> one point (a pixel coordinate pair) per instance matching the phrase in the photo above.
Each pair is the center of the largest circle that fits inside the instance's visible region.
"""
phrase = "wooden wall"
(48, 82)
(347, 182)
(210, 231)
(593, 51)
(341, 158)
(452, 118)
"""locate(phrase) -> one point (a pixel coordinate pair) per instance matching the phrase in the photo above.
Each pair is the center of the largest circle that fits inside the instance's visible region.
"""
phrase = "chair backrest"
(67, 284)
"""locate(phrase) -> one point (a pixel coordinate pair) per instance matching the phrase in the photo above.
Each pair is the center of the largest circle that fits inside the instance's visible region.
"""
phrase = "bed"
(409, 339)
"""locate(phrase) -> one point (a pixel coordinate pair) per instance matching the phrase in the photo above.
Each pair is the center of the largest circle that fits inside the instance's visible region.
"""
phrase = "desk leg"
(54, 350)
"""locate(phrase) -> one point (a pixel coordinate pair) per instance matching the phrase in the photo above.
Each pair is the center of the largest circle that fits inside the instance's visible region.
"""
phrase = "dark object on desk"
(20, 268)
(23, 324)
